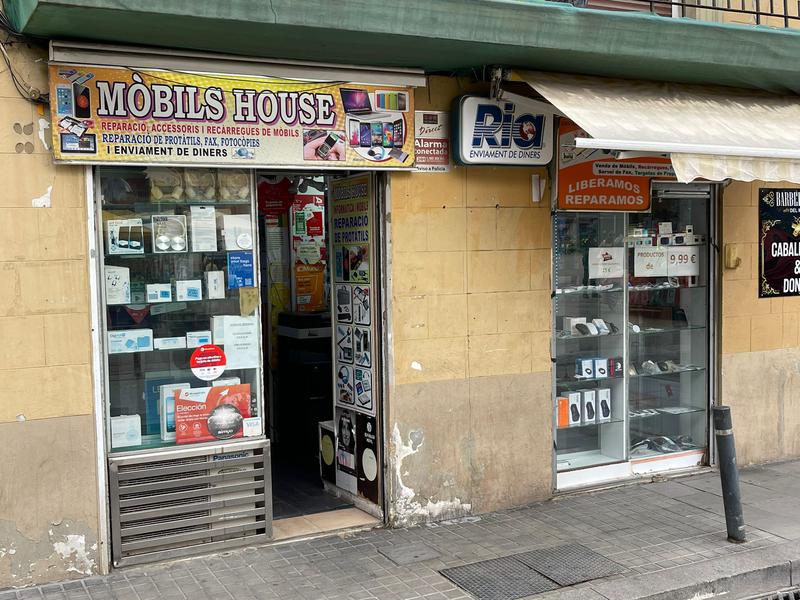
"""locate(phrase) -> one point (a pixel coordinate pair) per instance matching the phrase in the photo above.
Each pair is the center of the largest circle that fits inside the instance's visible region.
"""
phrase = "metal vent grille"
(189, 501)
(787, 594)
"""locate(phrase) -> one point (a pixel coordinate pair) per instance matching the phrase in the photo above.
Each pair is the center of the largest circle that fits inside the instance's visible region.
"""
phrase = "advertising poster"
(212, 413)
(606, 263)
(309, 253)
(778, 242)
(593, 179)
(351, 227)
(367, 449)
(344, 386)
(513, 130)
(432, 141)
(241, 271)
(108, 114)
(346, 469)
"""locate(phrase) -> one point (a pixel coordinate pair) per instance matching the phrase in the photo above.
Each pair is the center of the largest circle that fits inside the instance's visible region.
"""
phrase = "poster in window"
(778, 242)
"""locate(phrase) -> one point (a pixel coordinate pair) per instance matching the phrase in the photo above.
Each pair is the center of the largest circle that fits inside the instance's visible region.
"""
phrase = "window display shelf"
(658, 288)
(681, 371)
(670, 411)
(656, 330)
(560, 336)
(575, 291)
(571, 381)
(582, 460)
(145, 206)
(600, 424)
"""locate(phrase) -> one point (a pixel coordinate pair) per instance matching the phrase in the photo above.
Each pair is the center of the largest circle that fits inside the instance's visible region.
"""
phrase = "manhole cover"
(499, 579)
(570, 564)
(409, 553)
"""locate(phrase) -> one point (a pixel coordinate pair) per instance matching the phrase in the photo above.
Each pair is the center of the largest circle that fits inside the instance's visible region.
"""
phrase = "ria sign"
(511, 131)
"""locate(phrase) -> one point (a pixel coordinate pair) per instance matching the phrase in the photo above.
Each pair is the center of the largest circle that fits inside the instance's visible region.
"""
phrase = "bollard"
(729, 474)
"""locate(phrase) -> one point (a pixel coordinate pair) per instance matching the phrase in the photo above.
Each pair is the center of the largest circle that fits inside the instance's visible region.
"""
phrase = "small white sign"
(606, 263)
(684, 261)
(650, 261)
(511, 131)
(432, 141)
(251, 427)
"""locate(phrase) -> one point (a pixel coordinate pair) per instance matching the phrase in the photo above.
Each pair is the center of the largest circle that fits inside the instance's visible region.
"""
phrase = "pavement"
(667, 537)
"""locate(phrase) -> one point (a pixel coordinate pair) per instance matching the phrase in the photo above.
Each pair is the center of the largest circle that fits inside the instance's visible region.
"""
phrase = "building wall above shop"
(437, 36)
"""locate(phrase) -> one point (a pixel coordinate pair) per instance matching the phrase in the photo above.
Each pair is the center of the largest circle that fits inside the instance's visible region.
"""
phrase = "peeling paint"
(43, 201)
(416, 366)
(44, 125)
(73, 551)
(408, 510)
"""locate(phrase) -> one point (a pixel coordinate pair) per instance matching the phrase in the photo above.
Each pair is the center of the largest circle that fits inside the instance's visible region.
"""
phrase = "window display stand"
(631, 385)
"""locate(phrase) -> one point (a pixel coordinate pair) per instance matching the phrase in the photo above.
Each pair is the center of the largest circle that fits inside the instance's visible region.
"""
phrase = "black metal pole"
(729, 474)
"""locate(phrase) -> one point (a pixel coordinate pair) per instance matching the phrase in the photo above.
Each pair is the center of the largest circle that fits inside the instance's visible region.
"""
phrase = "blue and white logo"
(512, 131)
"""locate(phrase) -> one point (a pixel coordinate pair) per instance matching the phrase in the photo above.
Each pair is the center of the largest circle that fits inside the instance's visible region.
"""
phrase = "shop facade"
(469, 274)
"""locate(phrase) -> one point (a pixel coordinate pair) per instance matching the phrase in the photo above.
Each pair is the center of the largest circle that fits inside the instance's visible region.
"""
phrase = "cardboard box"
(166, 408)
(169, 343)
(584, 368)
(665, 228)
(575, 408)
(571, 322)
(215, 285)
(562, 412)
(126, 430)
(603, 404)
(159, 292)
(600, 368)
(237, 232)
(615, 366)
(130, 340)
(211, 413)
(588, 406)
(189, 290)
(195, 339)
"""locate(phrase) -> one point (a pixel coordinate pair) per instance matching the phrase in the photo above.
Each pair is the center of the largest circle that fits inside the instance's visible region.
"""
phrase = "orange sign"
(594, 179)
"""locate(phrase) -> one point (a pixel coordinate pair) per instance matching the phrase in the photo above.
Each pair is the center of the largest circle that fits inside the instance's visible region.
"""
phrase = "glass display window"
(179, 281)
(631, 346)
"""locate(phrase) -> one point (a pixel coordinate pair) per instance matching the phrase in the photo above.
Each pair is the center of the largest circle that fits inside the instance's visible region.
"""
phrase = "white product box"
(166, 408)
(189, 290)
(237, 232)
(571, 322)
(159, 292)
(169, 234)
(169, 343)
(589, 406)
(130, 340)
(665, 228)
(223, 381)
(215, 285)
(126, 430)
(118, 285)
(195, 339)
(575, 408)
(204, 229)
(689, 229)
(600, 368)
(584, 368)
(603, 404)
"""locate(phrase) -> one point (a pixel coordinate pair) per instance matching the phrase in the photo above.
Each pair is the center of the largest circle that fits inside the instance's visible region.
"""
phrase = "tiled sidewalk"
(645, 527)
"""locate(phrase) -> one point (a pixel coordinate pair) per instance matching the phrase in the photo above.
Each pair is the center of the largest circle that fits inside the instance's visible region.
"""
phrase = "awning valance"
(713, 133)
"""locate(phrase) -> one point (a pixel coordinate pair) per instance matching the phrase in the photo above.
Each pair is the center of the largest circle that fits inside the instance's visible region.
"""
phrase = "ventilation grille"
(788, 594)
(189, 501)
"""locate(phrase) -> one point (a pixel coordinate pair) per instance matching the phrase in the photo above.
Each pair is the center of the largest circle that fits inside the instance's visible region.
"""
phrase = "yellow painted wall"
(760, 341)
(47, 441)
(469, 406)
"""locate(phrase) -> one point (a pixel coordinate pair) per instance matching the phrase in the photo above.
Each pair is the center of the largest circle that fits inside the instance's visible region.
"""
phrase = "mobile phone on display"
(355, 133)
(398, 133)
(401, 101)
(388, 135)
(366, 135)
(326, 146)
(377, 134)
(83, 106)
(64, 100)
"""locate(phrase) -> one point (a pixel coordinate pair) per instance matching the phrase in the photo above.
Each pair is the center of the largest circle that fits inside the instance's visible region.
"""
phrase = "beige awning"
(712, 133)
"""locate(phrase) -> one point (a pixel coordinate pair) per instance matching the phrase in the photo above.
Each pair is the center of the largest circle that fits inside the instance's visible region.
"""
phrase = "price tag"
(683, 261)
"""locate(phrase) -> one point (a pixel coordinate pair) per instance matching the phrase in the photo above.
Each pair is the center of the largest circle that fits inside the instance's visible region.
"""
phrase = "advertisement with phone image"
(382, 124)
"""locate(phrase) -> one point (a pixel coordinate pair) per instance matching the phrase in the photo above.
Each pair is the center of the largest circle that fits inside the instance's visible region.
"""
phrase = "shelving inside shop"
(178, 250)
(630, 290)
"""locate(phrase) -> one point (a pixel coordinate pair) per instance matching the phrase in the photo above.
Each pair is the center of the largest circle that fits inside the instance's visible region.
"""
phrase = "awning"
(713, 133)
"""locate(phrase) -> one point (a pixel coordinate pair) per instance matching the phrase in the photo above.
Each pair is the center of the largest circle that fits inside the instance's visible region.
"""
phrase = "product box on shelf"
(562, 411)
(237, 232)
(130, 340)
(215, 285)
(584, 368)
(600, 368)
(665, 228)
(575, 408)
(166, 409)
(189, 290)
(603, 404)
(159, 292)
(571, 322)
(118, 285)
(169, 234)
(126, 430)
(195, 339)
(170, 343)
(588, 406)
(615, 367)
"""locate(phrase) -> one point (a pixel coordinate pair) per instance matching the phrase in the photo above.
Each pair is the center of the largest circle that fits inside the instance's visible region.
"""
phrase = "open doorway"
(320, 352)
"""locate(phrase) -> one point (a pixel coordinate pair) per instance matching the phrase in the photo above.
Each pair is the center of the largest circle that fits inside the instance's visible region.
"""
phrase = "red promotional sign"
(210, 414)
(594, 179)
(208, 362)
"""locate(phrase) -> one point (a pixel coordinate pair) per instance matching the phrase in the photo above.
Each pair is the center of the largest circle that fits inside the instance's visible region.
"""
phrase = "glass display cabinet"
(630, 311)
